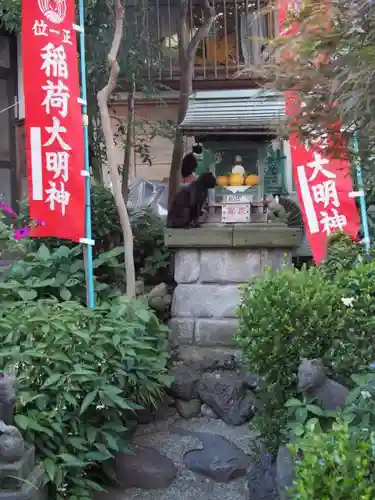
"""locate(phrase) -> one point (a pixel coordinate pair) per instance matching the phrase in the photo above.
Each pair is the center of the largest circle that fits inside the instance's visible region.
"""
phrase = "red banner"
(53, 119)
(323, 183)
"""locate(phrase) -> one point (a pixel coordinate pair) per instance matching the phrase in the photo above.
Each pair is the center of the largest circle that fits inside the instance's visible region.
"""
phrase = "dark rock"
(284, 471)
(165, 408)
(228, 397)
(208, 412)
(261, 478)
(219, 459)
(144, 416)
(145, 468)
(185, 385)
(219, 361)
(189, 409)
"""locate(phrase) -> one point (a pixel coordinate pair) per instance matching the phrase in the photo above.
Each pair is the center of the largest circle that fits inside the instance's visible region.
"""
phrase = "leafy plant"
(359, 409)
(336, 464)
(80, 371)
(302, 414)
(292, 314)
(151, 257)
(52, 273)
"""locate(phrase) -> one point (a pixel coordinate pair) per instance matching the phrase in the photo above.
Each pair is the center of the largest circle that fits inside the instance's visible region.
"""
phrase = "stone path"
(188, 485)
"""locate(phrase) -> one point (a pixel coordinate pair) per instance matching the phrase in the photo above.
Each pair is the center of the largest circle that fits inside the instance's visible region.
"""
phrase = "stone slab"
(217, 332)
(266, 236)
(229, 266)
(187, 265)
(205, 301)
(181, 330)
(206, 237)
(31, 488)
(275, 258)
(21, 468)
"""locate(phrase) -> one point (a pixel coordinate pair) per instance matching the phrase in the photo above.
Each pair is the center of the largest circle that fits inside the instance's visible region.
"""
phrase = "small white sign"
(233, 213)
(230, 198)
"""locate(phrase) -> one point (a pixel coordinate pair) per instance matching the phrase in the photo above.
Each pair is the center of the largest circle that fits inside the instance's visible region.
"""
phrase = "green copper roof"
(252, 111)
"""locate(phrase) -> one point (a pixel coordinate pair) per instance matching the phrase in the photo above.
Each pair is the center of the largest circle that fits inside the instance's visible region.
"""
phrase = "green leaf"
(72, 461)
(53, 379)
(301, 415)
(88, 400)
(51, 468)
(96, 456)
(27, 294)
(112, 443)
(143, 315)
(293, 402)
(22, 422)
(65, 294)
(297, 429)
(315, 410)
(43, 253)
(91, 434)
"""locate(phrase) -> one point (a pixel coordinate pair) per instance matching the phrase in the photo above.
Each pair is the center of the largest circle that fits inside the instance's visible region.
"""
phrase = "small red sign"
(53, 119)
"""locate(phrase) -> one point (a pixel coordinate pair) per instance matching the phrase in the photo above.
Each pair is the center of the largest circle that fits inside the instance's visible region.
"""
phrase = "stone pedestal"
(22, 480)
(210, 264)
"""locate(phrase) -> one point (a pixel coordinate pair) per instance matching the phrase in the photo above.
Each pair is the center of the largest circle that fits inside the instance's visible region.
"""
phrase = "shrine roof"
(253, 111)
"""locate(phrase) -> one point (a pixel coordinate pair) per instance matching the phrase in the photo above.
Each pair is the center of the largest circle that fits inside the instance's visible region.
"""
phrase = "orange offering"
(222, 180)
(236, 180)
(252, 180)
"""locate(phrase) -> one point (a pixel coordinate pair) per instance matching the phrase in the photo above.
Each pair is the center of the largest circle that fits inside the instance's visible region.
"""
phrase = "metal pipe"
(362, 200)
(87, 248)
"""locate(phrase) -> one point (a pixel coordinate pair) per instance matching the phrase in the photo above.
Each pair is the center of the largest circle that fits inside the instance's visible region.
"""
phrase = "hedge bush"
(336, 464)
(292, 314)
(79, 372)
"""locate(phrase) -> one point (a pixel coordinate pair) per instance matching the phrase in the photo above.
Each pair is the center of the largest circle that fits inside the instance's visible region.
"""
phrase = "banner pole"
(88, 242)
(362, 200)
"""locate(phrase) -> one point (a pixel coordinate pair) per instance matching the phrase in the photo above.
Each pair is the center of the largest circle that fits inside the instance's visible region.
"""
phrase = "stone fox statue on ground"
(186, 207)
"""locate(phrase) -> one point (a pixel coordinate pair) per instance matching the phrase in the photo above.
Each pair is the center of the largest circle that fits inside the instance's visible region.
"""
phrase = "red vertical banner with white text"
(53, 119)
(323, 183)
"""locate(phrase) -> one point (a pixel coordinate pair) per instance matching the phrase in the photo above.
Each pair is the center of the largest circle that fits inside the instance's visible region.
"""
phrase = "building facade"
(236, 40)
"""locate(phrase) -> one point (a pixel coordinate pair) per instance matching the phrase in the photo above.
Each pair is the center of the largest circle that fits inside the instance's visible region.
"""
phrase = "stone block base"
(203, 331)
(209, 272)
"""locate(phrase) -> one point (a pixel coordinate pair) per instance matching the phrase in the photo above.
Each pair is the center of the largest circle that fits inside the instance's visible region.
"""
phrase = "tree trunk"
(187, 52)
(103, 97)
(129, 143)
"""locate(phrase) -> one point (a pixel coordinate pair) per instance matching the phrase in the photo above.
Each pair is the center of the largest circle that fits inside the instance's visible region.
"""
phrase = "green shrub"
(292, 314)
(79, 372)
(343, 253)
(337, 464)
(56, 273)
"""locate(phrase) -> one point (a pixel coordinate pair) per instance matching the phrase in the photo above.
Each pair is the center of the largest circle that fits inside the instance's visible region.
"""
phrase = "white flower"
(365, 395)
(348, 301)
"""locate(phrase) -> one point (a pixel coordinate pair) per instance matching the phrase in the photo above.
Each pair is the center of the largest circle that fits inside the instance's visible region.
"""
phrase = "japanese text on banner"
(53, 119)
(323, 183)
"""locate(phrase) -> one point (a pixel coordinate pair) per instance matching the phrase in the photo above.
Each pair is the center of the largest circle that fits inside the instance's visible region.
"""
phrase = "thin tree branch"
(103, 98)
